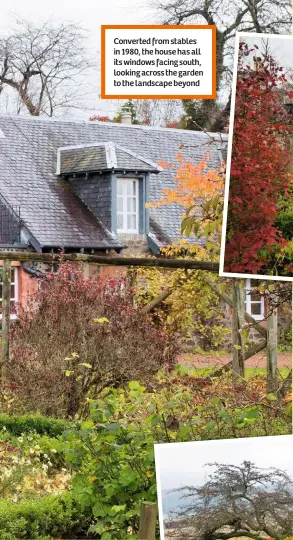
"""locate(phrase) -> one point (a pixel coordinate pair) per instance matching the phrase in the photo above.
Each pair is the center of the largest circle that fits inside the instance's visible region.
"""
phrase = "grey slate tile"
(50, 209)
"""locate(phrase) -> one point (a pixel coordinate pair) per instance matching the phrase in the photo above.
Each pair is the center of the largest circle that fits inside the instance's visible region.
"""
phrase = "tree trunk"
(164, 295)
(6, 284)
(272, 343)
(238, 343)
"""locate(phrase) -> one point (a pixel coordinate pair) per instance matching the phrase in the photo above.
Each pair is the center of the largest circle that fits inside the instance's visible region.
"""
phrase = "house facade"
(82, 186)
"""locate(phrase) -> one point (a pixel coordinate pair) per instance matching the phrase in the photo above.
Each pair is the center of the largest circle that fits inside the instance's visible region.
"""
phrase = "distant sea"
(172, 501)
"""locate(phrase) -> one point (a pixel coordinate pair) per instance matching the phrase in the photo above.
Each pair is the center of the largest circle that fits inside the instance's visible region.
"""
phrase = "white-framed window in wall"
(127, 205)
(254, 301)
(13, 292)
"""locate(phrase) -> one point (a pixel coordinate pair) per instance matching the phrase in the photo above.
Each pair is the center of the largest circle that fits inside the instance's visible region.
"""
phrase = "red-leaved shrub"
(78, 335)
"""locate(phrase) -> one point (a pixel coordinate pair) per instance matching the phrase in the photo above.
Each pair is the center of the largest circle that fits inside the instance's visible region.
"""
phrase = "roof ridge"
(218, 136)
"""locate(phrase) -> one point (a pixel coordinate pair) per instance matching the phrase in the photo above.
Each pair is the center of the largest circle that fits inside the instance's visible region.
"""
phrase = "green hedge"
(16, 425)
(44, 518)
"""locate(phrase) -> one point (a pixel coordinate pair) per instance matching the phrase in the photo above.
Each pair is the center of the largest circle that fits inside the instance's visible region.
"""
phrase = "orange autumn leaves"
(192, 183)
(199, 190)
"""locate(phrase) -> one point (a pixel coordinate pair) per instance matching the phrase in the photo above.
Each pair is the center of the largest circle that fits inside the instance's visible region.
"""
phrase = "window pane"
(120, 204)
(255, 297)
(12, 293)
(119, 221)
(131, 187)
(131, 221)
(131, 204)
(12, 275)
(256, 309)
(119, 187)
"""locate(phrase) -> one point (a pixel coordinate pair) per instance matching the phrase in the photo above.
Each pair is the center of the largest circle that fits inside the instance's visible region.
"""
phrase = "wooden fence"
(50, 258)
(240, 352)
(147, 521)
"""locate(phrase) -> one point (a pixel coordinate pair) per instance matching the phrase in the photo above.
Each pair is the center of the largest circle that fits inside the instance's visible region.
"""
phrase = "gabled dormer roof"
(52, 214)
(101, 157)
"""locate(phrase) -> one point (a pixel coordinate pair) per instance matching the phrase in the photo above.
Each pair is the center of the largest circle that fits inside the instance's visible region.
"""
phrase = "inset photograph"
(257, 236)
(212, 490)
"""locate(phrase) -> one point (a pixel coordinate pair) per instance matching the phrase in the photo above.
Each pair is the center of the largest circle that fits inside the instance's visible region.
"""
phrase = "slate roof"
(102, 157)
(50, 210)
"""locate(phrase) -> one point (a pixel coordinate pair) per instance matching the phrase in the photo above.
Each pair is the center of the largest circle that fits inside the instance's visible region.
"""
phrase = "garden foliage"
(260, 162)
(112, 452)
(79, 335)
(45, 518)
(17, 425)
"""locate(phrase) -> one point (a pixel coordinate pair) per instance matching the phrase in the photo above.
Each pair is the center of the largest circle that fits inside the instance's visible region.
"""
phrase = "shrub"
(17, 425)
(79, 335)
(113, 452)
(284, 223)
(45, 517)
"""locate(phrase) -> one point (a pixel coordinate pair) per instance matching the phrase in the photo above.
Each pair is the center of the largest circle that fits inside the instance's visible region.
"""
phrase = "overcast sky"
(280, 47)
(90, 14)
(180, 464)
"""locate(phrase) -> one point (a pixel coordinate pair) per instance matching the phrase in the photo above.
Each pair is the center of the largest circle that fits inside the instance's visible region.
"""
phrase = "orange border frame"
(105, 27)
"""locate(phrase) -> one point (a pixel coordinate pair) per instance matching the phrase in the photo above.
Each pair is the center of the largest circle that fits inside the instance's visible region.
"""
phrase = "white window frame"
(15, 283)
(249, 302)
(125, 213)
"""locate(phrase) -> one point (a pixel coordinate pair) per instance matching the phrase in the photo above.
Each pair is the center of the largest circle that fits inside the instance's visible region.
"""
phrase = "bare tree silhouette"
(237, 501)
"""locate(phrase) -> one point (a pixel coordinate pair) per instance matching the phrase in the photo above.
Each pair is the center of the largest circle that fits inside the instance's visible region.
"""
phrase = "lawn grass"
(249, 372)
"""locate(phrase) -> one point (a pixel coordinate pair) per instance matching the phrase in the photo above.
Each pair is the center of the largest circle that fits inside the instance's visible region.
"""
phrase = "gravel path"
(214, 360)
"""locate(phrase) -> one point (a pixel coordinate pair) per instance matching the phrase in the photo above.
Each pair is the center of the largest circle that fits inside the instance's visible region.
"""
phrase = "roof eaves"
(99, 247)
(33, 241)
(153, 244)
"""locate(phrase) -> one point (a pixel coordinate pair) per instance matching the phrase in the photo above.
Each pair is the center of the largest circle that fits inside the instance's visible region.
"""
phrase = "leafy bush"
(112, 452)
(32, 465)
(284, 223)
(285, 340)
(46, 517)
(17, 425)
(79, 335)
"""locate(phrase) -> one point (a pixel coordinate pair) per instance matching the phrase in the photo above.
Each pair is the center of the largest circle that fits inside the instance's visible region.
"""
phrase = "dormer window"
(127, 205)
(112, 181)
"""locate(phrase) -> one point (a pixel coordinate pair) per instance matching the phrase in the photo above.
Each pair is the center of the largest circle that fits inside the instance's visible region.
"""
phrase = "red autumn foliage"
(174, 124)
(259, 166)
(98, 118)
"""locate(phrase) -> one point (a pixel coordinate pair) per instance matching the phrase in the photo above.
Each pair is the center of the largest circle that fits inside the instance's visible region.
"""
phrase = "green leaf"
(272, 397)
(68, 373)
(114, 427)
(106, 536)
(99, 510)
(88, 424)
(288, 409)
(97, 528)
(116, 509)
(85, 364)
(252, 413)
